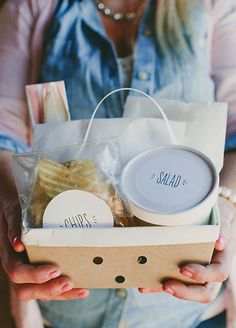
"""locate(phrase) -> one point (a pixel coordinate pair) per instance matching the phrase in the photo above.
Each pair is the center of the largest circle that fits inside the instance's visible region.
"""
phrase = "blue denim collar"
(91, 17)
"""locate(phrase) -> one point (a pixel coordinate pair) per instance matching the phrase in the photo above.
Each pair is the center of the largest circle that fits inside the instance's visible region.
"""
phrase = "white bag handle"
(167, 123)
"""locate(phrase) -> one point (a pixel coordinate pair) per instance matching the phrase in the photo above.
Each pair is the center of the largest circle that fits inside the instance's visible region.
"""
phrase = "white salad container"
(173, 185)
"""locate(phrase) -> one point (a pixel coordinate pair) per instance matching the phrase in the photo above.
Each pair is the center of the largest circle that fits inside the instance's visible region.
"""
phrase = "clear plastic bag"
(93, 167)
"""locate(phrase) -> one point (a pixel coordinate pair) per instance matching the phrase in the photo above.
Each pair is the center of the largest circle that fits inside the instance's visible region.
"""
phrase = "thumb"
(12, 216)
(227, 213)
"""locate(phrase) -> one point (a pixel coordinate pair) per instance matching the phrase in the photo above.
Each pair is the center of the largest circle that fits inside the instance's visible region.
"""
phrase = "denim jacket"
(79, 52)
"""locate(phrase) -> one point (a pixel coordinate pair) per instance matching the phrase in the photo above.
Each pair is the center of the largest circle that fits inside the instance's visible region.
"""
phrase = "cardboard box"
(123, 257)
(140, 256)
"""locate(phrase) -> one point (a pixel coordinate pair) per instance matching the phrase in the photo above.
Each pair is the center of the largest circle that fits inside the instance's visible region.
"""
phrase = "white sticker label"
(77, 209)
(173, 181)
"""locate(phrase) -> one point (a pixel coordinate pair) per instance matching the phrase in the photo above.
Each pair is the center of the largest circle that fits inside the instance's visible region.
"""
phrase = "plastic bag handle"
(167, 123)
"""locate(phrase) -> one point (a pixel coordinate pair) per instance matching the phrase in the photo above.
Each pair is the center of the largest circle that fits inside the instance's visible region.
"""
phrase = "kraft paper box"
(141, 256)
(123, 257)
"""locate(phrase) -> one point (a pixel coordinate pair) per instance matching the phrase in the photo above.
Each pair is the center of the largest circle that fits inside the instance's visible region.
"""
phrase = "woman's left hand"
(211, 275)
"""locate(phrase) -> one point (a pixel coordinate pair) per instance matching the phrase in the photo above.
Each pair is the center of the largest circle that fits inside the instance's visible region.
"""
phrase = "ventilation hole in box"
(98, 260)
(120, 279)
(142, 260)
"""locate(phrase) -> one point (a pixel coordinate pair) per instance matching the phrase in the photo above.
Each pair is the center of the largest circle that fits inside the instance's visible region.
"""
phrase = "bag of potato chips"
(92, 167)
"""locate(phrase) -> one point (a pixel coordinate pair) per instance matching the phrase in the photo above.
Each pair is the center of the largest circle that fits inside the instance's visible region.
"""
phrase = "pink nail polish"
(17, 244)
(187, 273)
(83, 294)
(15, 240)
(54, 274)
(66, 288)
(144, 290)
(221, 240)
(168, 290)
(153, 290)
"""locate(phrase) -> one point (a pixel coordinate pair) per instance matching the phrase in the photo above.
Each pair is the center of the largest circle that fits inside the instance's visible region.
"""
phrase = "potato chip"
(73, 175)
(54, 178)
(37, 209)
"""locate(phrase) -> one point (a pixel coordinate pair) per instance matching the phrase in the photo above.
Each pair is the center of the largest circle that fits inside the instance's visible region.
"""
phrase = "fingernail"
(221, 240)
(144, 290)
(17, 242)
(168, 290)
(54, 274)
(83, 294)
(186, 273)
(66, 287)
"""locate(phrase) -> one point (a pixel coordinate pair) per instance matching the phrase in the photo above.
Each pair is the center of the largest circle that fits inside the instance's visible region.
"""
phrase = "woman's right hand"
(42, 282)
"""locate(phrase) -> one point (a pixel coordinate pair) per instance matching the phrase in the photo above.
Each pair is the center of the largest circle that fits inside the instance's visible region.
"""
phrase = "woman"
(175, 49)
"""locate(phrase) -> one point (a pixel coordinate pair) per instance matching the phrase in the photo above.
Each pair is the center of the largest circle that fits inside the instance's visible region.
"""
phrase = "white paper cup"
(173, 185)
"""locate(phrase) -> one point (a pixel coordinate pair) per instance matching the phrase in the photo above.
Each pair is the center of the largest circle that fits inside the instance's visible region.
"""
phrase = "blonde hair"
(175, 32)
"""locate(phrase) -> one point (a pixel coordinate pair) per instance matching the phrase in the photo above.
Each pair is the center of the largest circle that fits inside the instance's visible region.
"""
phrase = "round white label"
(77, 209)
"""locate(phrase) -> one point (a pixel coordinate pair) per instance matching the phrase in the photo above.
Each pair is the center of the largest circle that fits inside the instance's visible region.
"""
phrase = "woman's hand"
(216, 272)
(42, 282)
